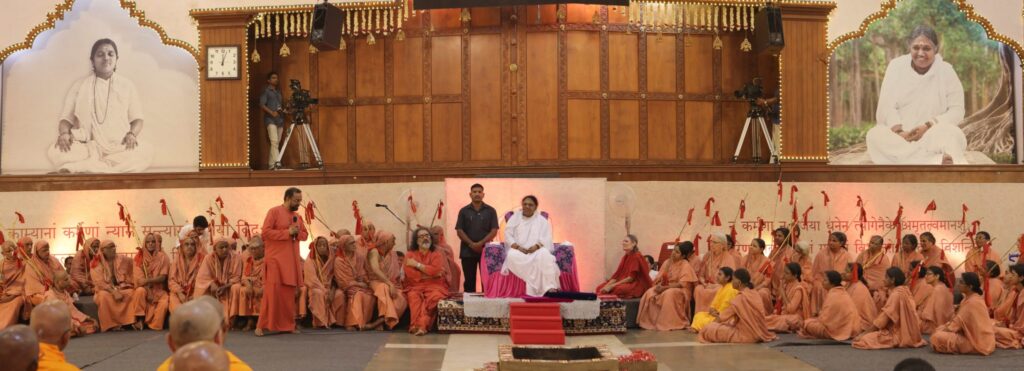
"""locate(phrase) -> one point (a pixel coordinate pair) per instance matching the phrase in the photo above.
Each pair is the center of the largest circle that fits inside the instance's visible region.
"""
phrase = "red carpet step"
(536, 323)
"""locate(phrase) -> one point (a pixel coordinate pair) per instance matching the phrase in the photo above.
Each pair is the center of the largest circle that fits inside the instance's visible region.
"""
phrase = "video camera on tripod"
(753, 92)
(300, 102)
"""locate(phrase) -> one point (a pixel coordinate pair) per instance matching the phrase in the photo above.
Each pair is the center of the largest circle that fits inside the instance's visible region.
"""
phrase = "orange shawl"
(103, 278)
(433, 274)
(183, 274)
(747, 311)
(972, 322)
(215, 271)
(875, 272)
(40, 272)
(318, 272)
(900, 319)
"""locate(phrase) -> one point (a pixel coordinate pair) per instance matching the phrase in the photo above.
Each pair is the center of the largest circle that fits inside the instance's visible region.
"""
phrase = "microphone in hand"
(295, 220)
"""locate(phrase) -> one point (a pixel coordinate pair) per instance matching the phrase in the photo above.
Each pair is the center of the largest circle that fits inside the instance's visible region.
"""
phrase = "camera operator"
(771, 105)
(271, 103)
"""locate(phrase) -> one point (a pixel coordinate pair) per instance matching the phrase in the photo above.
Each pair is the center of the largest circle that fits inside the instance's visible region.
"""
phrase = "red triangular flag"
(696, 244)
(310, 213)
(860, 201)
(120, 212)
(760, 227)
(732, 231)
(707, 206)
(220, 202)
(358, 217)
(79, 240)
(223, 219)
(163, 206)
(963, 218)
(248, 231)
(138, 257)
(689, 217)
(234, 235)
(780, 188)
(743, 208)
(899, 216)
(440, 206)
(795, 219)
(792, 193)
(715, 221)
(809, 208)
(931, 207)
(21, 218)
(825, 195)
(856, 277)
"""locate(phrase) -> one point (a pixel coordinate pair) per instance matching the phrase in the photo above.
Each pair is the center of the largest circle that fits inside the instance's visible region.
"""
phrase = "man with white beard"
(530, 255)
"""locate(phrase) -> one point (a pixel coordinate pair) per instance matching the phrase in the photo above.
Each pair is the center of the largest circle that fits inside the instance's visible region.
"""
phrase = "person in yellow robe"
(721, 301)
(51, 321)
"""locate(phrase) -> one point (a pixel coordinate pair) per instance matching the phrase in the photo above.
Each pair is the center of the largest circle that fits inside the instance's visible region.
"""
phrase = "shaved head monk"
(201, 319)
(200, 356)
(112, 281)
(51, 321)
(19, 348)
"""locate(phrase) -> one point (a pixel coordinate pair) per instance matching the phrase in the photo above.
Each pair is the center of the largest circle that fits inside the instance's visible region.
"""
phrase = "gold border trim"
(61, 9)
(886, 7)
(380, 4)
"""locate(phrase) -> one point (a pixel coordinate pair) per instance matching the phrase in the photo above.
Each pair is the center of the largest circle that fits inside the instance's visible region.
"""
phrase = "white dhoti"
(538, 269)
(911, 99)
(91, 158)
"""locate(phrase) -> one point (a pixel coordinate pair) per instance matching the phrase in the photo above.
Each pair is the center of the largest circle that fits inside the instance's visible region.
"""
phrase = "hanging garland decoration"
(677, 15)
(372, 19)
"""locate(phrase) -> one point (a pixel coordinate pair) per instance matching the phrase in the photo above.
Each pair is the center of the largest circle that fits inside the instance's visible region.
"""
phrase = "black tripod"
(757, 113)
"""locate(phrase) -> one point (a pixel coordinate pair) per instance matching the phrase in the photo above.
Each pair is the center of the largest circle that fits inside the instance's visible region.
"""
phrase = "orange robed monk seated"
(426, 281)
(897, 324)
(970, 331)
(326, 300)
(200, 356)
(112, 278)
(794, 306)
(384, 271)
(80, 266)
(666, 306)
(718, 256)
(184, 270)
(760, 269)
(201, 319)
(52, 324)
(857, 287)
(934, 300)
(633, 276)
(838, 318)
(743, 321)
(350, 276)
(19, 348)
(39, 275)
(81, 323)
(12, 285)
(247, 293)
(150, 273)
(1009, 325)
(220, 270)
(834, 258)
(282, 280)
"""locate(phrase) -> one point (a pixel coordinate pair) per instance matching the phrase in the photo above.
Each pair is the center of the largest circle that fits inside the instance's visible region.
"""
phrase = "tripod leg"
(284, 146)
(768, 138)
(312, 143)
(743, 136)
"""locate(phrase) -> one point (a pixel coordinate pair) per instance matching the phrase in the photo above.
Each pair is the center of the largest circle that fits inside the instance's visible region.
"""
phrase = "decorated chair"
(497, 285)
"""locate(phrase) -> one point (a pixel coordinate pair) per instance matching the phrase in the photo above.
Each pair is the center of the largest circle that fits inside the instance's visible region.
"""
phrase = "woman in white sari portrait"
(920, 107)
(101, 121)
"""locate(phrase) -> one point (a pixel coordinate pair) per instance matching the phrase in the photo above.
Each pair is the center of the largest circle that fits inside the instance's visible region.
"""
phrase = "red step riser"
(538, 337)
(538, 310)
(536, 323)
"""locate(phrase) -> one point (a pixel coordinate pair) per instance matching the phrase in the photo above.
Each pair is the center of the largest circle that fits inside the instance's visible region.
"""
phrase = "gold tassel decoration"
(745, 45)
(370, 40)
(313, 49)
(464, 15)
(560, 14)
(596, 18)
(342, 44)
(256, 56)
(284, 52)
(400, 35)
(717, 43)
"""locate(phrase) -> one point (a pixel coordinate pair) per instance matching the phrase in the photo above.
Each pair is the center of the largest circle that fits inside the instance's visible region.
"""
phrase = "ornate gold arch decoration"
(961, 5)
(58, 14)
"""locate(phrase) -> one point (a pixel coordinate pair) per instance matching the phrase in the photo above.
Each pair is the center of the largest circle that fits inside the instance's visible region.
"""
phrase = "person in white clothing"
(920, 107)
(199, 228)
(530, 254)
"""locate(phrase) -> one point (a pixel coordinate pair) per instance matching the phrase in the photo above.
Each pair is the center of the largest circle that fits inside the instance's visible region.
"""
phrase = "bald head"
(52, 323)
(200, 356)
(196, 320)
(256, 241)
(19, 348)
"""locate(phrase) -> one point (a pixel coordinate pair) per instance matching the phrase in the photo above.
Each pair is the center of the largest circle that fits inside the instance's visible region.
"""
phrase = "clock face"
(222, 62)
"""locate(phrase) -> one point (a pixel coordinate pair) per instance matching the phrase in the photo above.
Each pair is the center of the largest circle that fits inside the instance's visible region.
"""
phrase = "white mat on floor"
(476, 305)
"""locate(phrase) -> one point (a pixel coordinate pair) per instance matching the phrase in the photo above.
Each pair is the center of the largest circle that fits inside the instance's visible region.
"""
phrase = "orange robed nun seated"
(350, 276)
(794, 306)
(114, 288)
(1010, 329)
(12, 285)
(219, 271)
(150, 274)
(743, 321)
(632, 278)
(971, 331)
(384, 269)
(934, 299)
(666, 306)
(326, 301)
(857, 287)
(897, 324)
(184, 270)
(838, 319)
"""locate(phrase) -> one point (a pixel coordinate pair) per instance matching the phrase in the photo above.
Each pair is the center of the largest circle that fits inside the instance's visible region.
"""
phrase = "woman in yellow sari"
(721, 301)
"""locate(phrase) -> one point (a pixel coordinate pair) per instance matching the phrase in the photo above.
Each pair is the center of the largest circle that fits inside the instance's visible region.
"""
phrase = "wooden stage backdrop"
(505, 90)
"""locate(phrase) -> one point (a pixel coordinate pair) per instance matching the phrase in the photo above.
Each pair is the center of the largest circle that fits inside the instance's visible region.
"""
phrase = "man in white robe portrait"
(531, 252)
(920, 107)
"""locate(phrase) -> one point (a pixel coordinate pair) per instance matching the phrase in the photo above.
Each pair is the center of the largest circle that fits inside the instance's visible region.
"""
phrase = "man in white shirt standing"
(530, 255)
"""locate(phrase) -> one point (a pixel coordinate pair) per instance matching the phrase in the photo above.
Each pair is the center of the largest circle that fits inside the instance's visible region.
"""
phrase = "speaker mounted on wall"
(325, 31)
(448, 4)
(768, 37)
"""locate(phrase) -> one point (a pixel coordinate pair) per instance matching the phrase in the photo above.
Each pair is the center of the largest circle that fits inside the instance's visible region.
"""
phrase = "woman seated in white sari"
(920, 106)
(101, 121)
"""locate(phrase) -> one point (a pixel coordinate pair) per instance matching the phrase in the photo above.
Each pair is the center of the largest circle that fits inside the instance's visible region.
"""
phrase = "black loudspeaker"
(768, 31)
(325, 32)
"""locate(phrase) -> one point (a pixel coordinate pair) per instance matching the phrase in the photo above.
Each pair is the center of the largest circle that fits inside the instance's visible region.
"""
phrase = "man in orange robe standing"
(282, 231)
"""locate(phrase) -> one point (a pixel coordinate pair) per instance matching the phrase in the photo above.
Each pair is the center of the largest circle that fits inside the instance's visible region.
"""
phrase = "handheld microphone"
(295, 220)
(382, 205)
